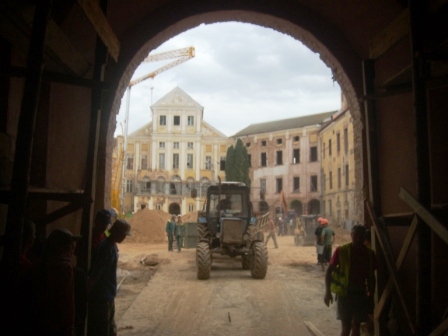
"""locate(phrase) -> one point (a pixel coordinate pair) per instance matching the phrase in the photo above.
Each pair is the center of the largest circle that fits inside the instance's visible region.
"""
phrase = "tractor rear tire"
(203, 261)
(245, 262)
(259, 262)
(203, 232)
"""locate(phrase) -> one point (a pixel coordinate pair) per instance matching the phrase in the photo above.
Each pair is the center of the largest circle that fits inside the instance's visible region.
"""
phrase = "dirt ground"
(167, 299)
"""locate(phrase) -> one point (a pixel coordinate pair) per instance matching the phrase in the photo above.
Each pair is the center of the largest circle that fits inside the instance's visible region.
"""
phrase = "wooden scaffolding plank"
(387, 251)
(401, 256)
(99, 21)
(390, 35)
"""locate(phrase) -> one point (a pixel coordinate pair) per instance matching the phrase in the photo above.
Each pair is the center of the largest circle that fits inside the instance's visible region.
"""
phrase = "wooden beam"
(388, 289)
(62, 212)
(96, 17)
(394, 32)
(56, 77)
(424, 214)
(56, 195)
(60, 49)
(387, 251)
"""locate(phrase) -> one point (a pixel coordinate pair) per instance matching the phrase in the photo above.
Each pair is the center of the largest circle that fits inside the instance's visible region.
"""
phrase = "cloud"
(241, 74)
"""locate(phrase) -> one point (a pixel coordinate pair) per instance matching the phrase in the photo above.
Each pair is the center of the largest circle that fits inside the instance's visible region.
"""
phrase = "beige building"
(284, 156)
(172, 155)
(338, 168)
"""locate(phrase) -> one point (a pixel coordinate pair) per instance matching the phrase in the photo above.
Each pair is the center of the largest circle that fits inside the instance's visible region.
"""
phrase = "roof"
(285, 124)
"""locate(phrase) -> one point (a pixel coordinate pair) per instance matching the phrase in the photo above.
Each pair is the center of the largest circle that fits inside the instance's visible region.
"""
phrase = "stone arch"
(313, 207)
(294, 19)
(174, 209)
(297, 206)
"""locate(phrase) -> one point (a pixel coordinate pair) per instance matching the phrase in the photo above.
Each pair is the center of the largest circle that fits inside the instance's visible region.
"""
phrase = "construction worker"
(271, 233)
(328, 240)
(179, 231)
(351, 276)
(170, 229)
(319, 241)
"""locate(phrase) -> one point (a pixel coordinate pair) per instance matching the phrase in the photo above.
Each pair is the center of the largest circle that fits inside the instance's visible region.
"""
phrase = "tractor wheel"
(203, 261)
(245, 262)
(259, 263)
(203, 232)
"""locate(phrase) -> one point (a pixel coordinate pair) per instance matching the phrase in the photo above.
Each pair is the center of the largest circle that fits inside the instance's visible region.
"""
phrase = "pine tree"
(237, 164)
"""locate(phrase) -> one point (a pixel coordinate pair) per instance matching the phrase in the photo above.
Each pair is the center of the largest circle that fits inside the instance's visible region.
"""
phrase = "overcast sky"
(242, 74)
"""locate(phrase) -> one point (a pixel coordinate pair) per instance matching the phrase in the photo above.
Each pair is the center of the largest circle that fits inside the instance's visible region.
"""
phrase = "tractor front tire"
(203, 232)
(259, 262)
(203, 261)
(245, 262)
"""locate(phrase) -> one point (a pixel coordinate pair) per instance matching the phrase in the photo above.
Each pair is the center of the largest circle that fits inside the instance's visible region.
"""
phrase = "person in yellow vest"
(351, 276)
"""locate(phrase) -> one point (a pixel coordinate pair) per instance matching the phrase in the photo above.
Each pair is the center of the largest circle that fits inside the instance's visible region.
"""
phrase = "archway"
(174, 209)
(293, 19)
(297, 206)
(313, 207)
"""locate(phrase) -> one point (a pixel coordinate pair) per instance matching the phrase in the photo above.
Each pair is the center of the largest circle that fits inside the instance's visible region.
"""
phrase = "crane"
(181, 56)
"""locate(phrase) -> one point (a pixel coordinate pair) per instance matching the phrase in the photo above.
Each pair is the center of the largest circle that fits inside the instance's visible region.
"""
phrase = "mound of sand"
(148, 226)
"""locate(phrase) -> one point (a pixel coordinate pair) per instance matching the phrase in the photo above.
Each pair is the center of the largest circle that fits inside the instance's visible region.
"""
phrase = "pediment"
(175, 99)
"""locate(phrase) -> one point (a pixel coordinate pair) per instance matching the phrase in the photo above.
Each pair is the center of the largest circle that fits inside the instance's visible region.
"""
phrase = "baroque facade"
(285, 162)
(169, 157)
(338, 168)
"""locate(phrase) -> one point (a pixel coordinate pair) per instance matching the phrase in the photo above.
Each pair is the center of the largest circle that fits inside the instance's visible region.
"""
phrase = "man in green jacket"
(170, 228)
(351, 276)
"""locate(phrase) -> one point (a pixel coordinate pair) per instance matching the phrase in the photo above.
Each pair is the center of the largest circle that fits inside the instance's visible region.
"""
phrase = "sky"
(241, 74)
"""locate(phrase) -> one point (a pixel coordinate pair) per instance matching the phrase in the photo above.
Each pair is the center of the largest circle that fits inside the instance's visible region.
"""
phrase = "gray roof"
(285, 124)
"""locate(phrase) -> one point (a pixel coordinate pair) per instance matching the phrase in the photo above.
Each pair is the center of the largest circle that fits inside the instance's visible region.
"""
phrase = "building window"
(263, 143)
(330, 208)
(323, 150)
(279, 157)
(176, 121)
(278, 185)
(161, 160)
(162, 120)
(263, 185)
(158, 207)
(189, 161)
(347, 180)
(130, 163)
(279, 141)
(296, 184)
(249, 158)
(296, 155)
(329, 147)
(161, 144)
(222, 163)
(263, 160)
(190, 207)
(313, 154)
(128, 186)
(338, 142)
(176, 145)
(296, 138)
(190, 121)
(208, 163)
(313, 183)
(346, 140)
(144, 164)
(247, 144)
(189, 145)
(339, 178)
(331, 180)
(146, 186)
(176, 161)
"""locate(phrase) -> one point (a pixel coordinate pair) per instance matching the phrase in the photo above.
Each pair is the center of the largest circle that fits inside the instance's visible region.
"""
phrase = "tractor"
(227, 226)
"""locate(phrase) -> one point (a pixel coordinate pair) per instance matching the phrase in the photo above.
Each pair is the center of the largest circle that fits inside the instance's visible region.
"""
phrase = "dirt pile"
(148, 226)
